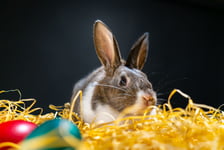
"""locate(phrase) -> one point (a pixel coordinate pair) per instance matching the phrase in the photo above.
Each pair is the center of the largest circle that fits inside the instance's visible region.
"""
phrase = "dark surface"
(46, 46)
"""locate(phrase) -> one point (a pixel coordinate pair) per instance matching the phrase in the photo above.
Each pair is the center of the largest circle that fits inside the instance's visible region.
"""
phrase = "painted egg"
(57, 134)
(15, 131)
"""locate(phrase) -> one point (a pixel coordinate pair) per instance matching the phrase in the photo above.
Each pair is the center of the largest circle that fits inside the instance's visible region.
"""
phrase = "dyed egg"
(57, 134)
(15, 130)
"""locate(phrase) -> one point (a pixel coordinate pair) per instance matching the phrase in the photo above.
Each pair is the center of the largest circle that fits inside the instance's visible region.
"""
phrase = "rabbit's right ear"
(106, 47)
(138, 54)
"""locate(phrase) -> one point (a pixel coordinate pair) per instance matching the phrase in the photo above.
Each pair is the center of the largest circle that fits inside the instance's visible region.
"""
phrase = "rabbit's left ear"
(139, 52)
(106, 46)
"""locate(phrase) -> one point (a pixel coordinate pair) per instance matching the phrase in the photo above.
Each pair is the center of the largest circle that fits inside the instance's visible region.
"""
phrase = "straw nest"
(195, 127)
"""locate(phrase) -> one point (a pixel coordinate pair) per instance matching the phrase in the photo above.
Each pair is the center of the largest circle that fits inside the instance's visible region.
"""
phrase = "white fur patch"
(140, 101)
(102, 114)
(105, 113)
(153, 111)
(88, 113)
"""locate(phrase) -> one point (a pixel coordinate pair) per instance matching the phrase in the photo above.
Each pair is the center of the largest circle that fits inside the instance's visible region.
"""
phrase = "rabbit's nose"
(148, 99)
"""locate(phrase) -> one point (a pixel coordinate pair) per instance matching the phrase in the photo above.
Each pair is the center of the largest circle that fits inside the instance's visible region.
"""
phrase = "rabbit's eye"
(123, 81)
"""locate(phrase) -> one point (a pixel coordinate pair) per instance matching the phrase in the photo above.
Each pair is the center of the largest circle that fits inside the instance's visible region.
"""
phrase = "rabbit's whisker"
(162, 94)
(122, 96)
(118, 97)
(111, 86)
(168, 83)
(126, 94)
(161, 101)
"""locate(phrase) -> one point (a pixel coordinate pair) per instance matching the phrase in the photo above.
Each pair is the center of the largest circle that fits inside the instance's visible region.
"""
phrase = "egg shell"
(15, 131)
(53, 134)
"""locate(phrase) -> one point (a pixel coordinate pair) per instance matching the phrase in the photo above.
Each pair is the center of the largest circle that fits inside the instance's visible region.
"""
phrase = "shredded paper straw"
(195, 127)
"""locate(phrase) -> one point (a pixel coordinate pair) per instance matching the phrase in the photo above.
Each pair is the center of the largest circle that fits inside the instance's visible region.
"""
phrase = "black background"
(46, 46)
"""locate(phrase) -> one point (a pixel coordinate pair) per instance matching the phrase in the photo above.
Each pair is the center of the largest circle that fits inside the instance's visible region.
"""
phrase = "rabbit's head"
(124, 84)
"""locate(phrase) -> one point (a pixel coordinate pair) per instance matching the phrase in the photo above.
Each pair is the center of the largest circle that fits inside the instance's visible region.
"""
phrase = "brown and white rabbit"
(117, 84)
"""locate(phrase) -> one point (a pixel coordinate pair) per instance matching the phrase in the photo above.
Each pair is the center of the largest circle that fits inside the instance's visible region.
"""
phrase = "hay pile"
(195, 127)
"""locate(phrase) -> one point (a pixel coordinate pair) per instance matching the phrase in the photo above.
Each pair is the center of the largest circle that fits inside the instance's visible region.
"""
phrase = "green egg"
(57, 134)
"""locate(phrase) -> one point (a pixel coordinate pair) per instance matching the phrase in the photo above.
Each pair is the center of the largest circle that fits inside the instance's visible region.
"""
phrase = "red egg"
(15, 131)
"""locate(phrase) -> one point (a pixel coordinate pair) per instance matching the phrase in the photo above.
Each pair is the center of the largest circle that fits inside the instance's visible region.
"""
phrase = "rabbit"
(117, 84)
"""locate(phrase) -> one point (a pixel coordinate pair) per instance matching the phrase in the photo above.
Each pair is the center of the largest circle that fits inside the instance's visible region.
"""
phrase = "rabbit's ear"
(139, 52)
(106, 46)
